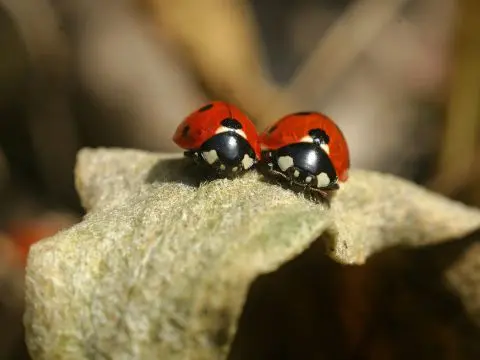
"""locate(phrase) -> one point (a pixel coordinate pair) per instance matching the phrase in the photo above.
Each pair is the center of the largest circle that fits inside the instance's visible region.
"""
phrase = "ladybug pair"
(306, 149)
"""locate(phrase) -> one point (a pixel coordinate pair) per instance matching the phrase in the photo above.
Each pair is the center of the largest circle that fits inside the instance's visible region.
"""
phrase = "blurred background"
(400, 77)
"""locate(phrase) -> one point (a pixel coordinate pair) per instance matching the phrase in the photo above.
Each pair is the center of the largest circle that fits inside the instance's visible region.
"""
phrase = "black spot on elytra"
(272, 129)
(231, 123)
(303, 113)
(319, 134)
(205, 108)
(185, 131)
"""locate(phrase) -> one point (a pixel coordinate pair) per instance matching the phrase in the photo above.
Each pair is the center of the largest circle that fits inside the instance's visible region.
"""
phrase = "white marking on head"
(308, 179)
(247, 162)
(210, 156)
(241, 133)
(307, 139)
(270, 164)
(285, 162)
(322, 180)
(223, 129)
(222, 167)
(234, 169)
(296, 173)
(325, 148)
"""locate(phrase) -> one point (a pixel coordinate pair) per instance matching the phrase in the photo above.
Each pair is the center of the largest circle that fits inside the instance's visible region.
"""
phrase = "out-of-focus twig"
(463, 119)
(221, 41)
(351, 34)
(344, 41)
(51, 124)
(139, 89)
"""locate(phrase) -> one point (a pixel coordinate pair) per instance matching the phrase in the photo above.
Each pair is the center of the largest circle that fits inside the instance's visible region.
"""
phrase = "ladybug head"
(305, 164)
(228, 151)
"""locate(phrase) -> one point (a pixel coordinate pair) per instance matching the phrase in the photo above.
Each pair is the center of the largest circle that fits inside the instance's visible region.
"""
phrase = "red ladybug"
(307, 149)
(220, 136)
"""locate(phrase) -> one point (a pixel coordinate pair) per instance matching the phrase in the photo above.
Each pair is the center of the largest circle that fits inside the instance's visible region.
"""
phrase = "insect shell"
(221, 137)
(308, 150)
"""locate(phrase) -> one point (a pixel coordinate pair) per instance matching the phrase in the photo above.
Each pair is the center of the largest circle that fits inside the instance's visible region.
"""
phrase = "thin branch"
(340, 47)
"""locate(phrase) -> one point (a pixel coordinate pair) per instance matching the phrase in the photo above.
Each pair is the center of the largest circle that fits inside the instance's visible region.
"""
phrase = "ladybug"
(220, 136)
(307, 149)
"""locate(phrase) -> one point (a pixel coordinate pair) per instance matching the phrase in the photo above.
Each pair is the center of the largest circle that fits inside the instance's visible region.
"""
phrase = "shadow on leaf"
(178, 170)
(396, 306)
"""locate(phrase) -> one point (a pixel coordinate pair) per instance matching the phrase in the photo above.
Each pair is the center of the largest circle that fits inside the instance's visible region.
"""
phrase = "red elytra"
(204, 123)
(293, 128)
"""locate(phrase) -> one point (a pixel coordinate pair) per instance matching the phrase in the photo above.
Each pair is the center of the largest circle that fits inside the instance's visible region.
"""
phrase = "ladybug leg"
(307, 187)
(278, 175)
(290, 175)
(194, 155)
(332, 186)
